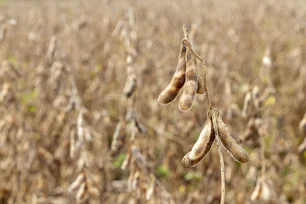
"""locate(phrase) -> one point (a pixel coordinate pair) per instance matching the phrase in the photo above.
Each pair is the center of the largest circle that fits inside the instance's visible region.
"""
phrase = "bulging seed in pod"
(201, 88)
(201, 147)
(177, 81)
(186, 161)
(237, 152)
(191, 84)
(190, 161)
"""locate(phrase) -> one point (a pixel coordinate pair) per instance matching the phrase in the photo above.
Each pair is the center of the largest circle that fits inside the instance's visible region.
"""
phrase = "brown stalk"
(214, 121)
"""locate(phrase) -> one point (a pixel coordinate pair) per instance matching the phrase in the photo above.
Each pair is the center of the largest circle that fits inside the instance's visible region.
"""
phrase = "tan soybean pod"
(188, 162)
(201, 88)
(191, 84)
(230, 144)
(201, 147)
(177, 81)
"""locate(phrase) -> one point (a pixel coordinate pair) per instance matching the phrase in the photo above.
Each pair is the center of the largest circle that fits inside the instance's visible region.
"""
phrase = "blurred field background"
(63, 69)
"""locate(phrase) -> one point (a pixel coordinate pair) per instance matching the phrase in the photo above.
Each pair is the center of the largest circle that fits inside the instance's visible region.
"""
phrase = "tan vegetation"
(80, 119)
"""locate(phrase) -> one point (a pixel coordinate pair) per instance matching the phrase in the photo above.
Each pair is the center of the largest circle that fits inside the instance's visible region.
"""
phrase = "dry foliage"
(80, 121)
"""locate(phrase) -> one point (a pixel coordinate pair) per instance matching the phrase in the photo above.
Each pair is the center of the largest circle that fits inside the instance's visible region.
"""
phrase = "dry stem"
(214, 120)
(263, 157)
(214, 115)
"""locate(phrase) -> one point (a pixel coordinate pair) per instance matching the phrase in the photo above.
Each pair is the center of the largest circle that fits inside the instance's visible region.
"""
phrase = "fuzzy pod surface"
(177, 81)
(201, 147)
(191, 84)
(237, 152)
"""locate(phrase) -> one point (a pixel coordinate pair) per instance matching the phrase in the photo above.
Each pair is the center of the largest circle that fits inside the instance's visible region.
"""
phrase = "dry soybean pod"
(188, 161)
(201, 147)
(203, 144)
(191, 84)
(201, 88)
(230, 144)
(177, 81)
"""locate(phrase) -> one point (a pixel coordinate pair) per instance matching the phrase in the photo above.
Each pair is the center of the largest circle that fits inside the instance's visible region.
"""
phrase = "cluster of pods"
(185, 76)
(207, 137)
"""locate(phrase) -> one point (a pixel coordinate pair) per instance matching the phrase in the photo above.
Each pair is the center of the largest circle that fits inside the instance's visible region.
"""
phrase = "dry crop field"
(80, 113)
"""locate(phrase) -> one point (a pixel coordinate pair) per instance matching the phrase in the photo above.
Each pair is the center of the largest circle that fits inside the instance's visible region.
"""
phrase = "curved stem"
(197, 55)
(202, 59)
(205, 86)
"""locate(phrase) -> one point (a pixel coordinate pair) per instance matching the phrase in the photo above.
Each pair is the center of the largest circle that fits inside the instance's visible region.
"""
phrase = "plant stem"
(205, 86)
(214, 114)
(214, 120)
(263, 158)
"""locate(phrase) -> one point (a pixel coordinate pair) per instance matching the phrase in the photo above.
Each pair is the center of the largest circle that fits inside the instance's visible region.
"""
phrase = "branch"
(214, 115)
